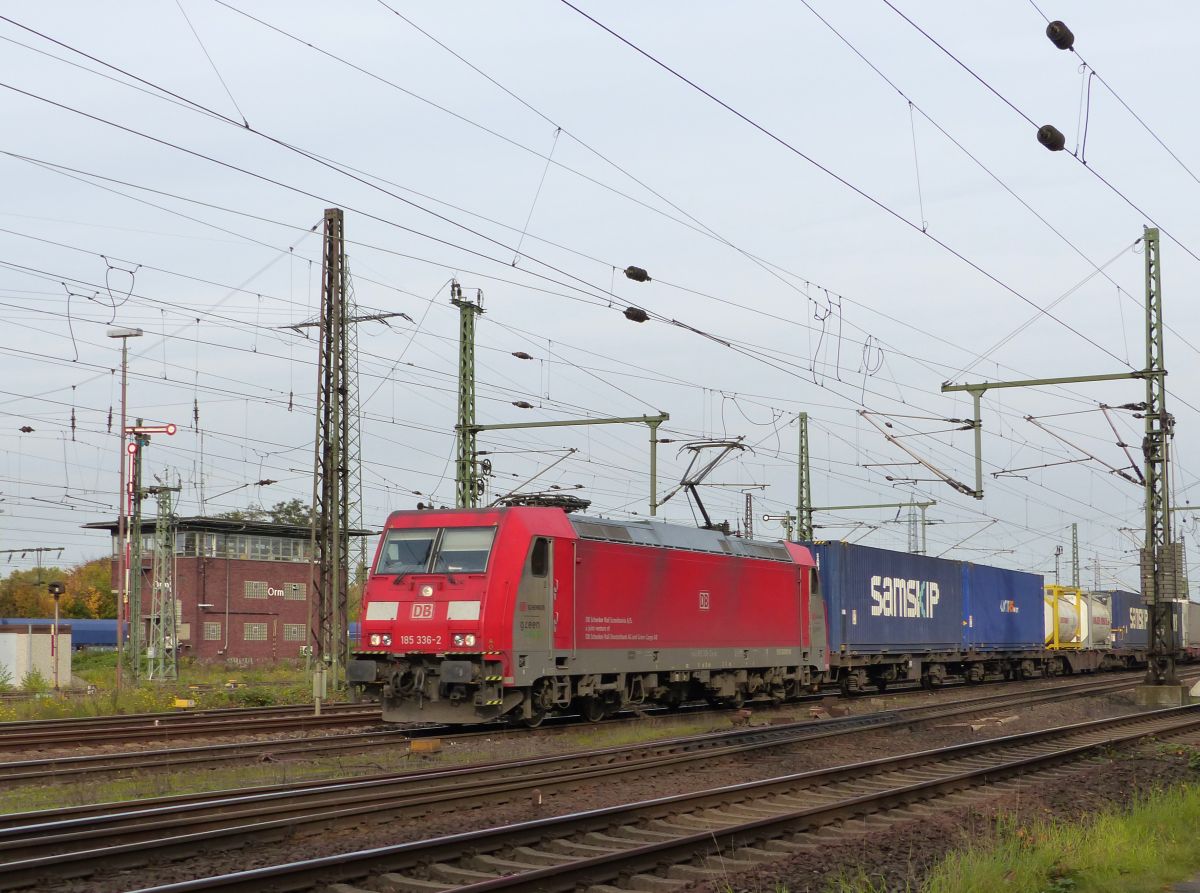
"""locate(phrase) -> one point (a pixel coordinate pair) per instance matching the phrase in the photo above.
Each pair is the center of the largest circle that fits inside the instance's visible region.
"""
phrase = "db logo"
(422, 612)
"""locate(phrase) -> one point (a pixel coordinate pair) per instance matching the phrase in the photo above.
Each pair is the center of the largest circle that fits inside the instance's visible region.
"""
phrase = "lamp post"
(56, 590)
(123, 501)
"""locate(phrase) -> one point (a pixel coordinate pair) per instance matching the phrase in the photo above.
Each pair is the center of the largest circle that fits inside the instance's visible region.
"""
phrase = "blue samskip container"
(1131, 619)
(1002, 609)
(881, 601)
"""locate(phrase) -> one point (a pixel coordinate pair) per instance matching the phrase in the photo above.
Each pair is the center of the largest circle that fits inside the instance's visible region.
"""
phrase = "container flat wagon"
(895, 616)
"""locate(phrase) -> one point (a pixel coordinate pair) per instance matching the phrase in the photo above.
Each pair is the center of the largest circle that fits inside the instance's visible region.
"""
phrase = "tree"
(90, 589)
(296, 512)
(24, 594)
(252, 512)
(88, 592)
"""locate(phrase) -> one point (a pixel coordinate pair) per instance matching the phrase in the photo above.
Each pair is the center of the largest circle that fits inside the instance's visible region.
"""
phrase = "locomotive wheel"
(592, 709)
(532, 722)
(540, 704)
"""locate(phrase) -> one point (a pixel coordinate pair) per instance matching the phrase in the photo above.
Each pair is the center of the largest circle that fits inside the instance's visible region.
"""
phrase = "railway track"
(667, 843)
(72, 768)
(161, 726)
(81, 840)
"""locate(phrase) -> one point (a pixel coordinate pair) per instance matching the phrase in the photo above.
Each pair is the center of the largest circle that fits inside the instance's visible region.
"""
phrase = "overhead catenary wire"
(878, 203)
(1004, 99)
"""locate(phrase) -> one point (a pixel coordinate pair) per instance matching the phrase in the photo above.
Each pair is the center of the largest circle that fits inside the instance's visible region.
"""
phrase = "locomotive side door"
(564, 595)
(532, 617)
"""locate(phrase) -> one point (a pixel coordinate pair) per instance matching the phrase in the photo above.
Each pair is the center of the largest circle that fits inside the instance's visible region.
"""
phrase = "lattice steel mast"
(466, 486)
(329, 541)
(354, 478)
(1160, 558)
(804, 510)
(162, 655)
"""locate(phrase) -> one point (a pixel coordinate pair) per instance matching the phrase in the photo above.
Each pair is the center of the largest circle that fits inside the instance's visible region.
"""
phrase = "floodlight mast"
(124, 334)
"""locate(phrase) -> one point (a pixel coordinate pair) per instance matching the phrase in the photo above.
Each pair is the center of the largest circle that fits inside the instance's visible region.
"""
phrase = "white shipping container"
(25, 648)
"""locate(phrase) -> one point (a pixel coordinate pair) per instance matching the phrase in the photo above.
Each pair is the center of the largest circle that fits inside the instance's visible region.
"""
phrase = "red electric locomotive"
(474, 614)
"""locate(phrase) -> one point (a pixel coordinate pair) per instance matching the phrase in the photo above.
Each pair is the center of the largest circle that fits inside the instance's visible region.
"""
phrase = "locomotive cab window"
(814, 582)
(464, 550)
(539, 558)
(406, 551)
(451, 550)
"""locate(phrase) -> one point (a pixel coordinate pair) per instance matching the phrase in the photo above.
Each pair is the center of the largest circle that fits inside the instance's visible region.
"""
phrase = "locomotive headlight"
(468, 639)
(459, 639)
(387, 640)
(426, 591)
(375, 639)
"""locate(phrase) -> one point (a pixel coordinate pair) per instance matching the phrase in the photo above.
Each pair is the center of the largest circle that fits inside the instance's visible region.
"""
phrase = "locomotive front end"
(426, 649)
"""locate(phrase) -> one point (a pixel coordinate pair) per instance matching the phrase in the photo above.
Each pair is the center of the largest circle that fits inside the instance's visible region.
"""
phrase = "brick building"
(241, 587)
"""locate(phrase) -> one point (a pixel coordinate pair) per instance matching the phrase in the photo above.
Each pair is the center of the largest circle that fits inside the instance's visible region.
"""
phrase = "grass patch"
(127, 785)
(1138, 850)
(254, 686)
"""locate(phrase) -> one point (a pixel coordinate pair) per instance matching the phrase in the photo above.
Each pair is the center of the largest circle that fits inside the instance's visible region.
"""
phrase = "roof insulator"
(637, 274)
(637, 314)
(1051, 137)
(521, 355)
(1060, 35)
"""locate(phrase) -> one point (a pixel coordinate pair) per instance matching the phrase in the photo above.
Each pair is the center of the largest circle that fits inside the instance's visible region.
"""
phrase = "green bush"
(34, 681)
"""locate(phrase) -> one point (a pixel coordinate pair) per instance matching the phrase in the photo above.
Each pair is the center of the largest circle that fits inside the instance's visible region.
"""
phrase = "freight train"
(522, 612)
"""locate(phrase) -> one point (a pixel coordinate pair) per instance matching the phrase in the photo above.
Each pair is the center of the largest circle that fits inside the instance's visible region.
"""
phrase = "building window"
(183, 632)
(295, 592)
(256, 589)
(294, 632)
(212, 632)
(254, 632)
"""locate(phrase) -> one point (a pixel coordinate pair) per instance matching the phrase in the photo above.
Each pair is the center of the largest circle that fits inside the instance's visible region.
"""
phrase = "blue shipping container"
(89, 633)
(1131, 619)
(881, 601)
(1002, 608)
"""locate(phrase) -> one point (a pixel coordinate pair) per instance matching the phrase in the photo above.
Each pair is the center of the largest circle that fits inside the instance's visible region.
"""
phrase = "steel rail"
(90, 722)
(168, 726)
(776, 734)
(74, 766)
(91, 835)
(601, 846)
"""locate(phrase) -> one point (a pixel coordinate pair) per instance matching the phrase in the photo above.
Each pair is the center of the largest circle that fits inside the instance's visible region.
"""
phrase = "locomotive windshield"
(452, 550)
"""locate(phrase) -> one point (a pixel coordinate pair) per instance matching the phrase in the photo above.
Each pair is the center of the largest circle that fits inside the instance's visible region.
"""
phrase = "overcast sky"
(869, 242)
